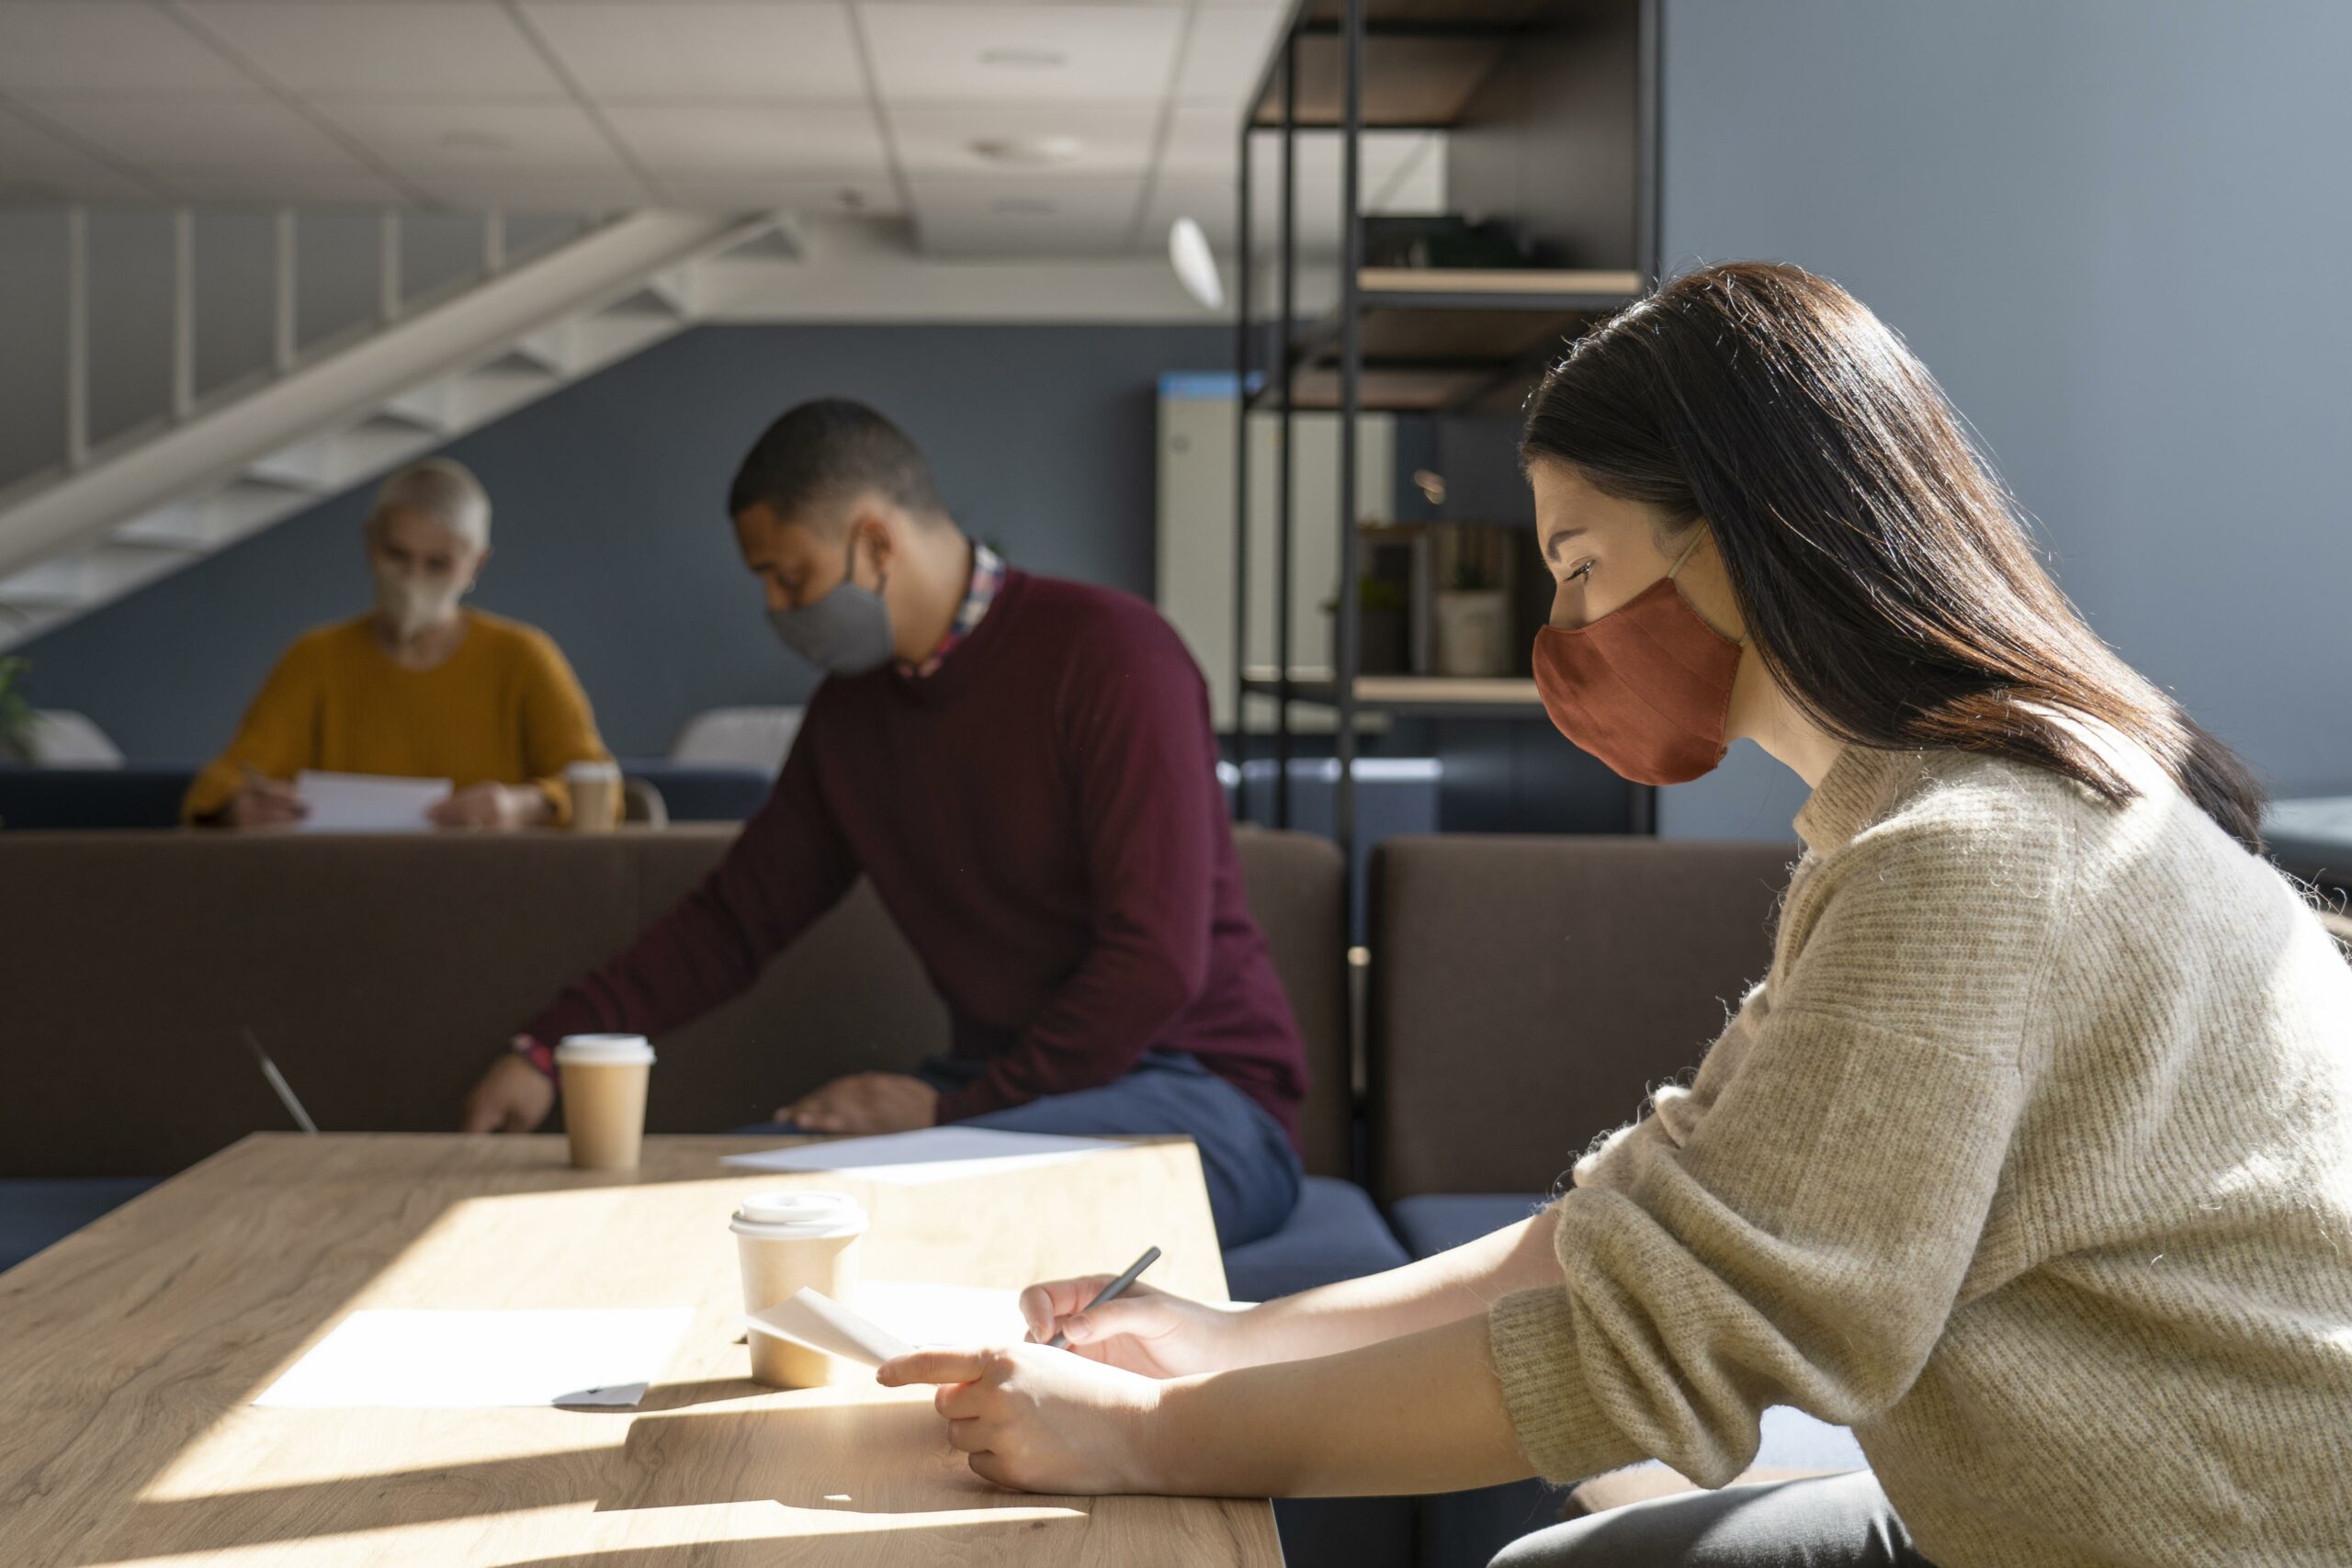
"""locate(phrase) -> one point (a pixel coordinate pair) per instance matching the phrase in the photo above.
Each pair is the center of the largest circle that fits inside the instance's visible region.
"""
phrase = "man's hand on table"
(866, 1102)
(512, 1097)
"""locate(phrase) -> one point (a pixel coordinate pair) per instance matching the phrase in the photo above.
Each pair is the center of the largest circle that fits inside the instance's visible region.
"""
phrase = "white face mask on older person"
(422, 569)
(411, 605)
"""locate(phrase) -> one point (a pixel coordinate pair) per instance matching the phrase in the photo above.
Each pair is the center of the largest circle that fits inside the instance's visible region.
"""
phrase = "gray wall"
(610, 528)
(2112, 229)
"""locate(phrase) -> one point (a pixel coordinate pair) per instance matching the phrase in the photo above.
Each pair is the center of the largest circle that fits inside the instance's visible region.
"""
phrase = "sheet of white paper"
(944, 1314)
(367, 802)
(462, 1360)
(820, 1323)
(931, 1153)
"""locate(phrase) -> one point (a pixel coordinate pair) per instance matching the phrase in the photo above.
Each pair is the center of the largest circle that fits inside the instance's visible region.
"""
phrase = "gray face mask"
(847, 632)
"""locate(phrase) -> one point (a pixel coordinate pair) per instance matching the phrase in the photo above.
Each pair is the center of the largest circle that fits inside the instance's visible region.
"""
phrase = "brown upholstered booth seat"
(383, 973)
(1526, 996)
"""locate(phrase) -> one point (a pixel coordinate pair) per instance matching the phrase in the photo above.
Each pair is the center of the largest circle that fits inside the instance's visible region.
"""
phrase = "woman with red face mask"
(2029, 1159)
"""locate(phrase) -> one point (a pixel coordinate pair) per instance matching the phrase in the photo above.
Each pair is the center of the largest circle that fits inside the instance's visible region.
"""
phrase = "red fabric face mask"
(1646, 688)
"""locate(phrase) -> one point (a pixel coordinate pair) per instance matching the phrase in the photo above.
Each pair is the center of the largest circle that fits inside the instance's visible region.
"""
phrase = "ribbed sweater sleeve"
(1795, 1226)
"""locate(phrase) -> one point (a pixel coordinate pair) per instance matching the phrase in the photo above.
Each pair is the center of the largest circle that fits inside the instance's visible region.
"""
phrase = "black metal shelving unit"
(1409, 340)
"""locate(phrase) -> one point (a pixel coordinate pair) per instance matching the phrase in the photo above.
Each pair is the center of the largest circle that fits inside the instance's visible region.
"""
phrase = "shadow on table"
(664, 1396)
(887, 1460)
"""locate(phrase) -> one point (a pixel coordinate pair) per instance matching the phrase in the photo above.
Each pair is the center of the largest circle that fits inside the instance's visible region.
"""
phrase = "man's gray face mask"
(847, 632)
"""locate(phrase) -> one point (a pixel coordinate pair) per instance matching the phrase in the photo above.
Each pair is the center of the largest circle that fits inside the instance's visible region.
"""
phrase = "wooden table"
(130, 1356)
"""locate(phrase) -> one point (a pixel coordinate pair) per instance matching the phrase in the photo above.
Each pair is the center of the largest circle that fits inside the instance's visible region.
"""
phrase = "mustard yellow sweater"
(505, 708)
(2030, 1160)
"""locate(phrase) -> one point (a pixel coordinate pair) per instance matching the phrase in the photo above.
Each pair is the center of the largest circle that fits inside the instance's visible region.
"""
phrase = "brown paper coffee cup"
(595, 790)
(790, 1241)
(603, 1078)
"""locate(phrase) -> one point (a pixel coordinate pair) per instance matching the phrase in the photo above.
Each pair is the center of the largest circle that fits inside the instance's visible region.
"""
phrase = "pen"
(1113, 1290)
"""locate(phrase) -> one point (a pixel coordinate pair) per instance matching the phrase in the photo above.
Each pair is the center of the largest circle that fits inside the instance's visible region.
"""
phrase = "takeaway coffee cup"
(603, 1097)
(595, 796)
(791, 1241)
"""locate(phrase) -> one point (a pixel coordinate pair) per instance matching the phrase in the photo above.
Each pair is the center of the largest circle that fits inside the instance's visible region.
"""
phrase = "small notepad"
(811, 1318)
(927, 1156)
(368, 803)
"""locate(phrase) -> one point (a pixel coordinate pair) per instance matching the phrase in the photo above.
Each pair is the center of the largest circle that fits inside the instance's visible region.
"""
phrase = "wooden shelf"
(1443, 339)
(1424, 60)
(1495, 288)
(1455, 695)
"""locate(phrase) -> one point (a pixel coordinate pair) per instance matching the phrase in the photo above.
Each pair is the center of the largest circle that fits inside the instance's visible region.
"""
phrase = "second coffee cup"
(603, 1097)
(791, 1241)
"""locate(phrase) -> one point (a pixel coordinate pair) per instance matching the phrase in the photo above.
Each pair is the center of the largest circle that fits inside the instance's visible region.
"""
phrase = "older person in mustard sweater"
(2029, 1158)
(420, 688)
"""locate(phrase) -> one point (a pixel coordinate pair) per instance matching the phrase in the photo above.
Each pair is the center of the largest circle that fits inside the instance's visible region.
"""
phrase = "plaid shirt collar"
(987, 576)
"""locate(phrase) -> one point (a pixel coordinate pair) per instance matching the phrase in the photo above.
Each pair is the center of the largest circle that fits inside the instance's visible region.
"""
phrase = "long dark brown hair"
(1883, 573)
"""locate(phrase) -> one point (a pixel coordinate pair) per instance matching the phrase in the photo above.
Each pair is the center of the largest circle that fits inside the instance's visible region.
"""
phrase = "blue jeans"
(1246, 1158)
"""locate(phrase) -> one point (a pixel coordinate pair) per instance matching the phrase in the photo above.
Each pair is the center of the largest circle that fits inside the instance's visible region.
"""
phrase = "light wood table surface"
(130, 1356)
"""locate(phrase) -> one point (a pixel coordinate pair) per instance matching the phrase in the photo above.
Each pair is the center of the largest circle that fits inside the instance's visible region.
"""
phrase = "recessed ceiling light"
(475, 140)
(1029, 152)
(1023, 207)
(1025, 59)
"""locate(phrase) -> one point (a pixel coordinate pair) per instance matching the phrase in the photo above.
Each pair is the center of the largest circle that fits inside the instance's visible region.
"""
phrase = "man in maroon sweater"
(1026, 769)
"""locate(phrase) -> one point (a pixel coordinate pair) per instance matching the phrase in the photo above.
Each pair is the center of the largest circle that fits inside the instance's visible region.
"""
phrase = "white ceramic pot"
(1473, 633)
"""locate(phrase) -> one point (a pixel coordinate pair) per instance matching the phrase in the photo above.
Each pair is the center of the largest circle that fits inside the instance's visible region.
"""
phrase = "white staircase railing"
(120, 516)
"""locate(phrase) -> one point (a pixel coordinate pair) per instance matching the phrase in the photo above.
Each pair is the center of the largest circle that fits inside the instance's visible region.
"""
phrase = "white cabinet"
(1195, 542)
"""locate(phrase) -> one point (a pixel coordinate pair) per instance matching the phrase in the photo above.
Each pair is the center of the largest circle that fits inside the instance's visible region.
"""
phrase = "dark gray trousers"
(1836, 1521)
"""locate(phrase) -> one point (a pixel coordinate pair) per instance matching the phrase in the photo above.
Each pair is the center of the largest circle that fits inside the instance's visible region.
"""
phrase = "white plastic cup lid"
(592, 770)
(792, 1215)
(605, 1050)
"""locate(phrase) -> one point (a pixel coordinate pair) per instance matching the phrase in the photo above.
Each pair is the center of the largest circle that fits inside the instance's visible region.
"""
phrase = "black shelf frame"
(1271, 357)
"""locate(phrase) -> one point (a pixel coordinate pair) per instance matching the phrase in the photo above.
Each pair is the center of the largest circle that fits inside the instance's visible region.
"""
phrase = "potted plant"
(17, 718)
(1473, 623)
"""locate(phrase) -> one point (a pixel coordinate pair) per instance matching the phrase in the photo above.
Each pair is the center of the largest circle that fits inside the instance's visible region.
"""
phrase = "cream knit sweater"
(2030, 1159)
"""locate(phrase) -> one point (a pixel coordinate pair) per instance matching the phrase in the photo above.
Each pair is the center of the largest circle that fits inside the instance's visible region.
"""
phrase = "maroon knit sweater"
(1042, 818)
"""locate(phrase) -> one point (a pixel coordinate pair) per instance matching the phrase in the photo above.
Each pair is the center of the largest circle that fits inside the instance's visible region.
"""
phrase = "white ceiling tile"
(463, 139)
(546, 191)
(935, 141)
(1026, 218)
(108, 46)
(26, 145)
(767, 139)
(1202, 142)
(847, 198)
(257, 132)
(692, 50)
(1228, 48)
(38, 166)
(956, 54)
(410, 49)
(1211, 203)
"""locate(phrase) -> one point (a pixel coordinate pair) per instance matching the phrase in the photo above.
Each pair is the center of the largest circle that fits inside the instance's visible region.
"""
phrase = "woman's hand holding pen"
(1146, 1330)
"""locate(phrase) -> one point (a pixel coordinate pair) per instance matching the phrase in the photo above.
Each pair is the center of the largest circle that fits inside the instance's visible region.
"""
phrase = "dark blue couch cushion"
(703, 792)
(1440, 1222)
(140, 796)
(1334, 1233)
(35, 1213)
